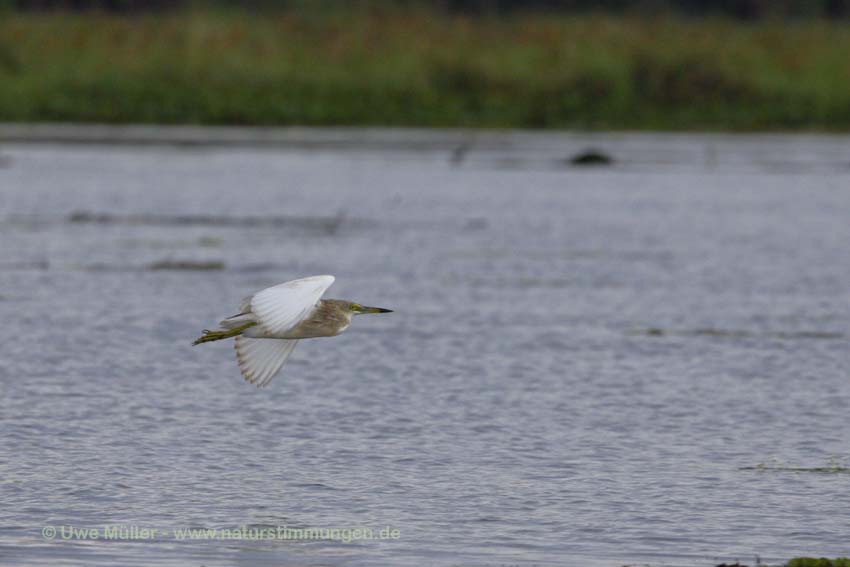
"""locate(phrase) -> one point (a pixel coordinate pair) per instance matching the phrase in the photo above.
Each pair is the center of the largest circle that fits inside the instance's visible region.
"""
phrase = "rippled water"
(642, 363)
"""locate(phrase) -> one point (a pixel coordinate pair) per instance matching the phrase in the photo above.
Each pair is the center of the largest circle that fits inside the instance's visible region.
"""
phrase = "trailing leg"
(210, 336)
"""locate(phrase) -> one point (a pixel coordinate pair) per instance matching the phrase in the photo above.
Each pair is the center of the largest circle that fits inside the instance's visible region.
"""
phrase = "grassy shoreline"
(425, 69)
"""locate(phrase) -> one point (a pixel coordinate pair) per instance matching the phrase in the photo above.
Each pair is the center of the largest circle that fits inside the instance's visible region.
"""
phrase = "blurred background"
(616, 64)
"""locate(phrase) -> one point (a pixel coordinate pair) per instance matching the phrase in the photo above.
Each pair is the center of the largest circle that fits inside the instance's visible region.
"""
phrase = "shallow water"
(642, 363)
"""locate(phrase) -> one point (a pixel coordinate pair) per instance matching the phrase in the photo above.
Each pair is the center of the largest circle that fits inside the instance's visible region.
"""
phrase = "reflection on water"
(641, 362)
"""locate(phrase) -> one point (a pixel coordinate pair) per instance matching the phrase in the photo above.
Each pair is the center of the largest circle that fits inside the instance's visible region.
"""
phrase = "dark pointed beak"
(376, 310)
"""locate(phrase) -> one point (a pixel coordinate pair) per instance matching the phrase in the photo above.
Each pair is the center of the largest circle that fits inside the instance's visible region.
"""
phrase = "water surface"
(640, 363)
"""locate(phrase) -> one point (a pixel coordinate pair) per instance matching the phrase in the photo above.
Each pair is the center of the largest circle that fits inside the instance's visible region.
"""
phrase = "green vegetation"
(833, 466)
(420, 68)
(819, 562)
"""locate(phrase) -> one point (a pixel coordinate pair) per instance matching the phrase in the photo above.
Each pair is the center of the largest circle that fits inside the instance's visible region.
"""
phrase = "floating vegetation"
(177, 265)
(186, 265)
(591, 157)
(835, 466)
(209, 242)
(733, 333)
(328, 224)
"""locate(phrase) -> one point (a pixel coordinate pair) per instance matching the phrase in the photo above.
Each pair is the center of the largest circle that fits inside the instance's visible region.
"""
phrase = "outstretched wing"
(260, 359)
(280, 308)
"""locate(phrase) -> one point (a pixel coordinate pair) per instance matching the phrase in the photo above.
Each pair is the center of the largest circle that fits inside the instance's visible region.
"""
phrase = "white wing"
(260, 359)
(280, 308)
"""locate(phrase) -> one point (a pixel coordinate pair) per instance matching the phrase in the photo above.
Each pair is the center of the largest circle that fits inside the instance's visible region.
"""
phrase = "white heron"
(272, 321)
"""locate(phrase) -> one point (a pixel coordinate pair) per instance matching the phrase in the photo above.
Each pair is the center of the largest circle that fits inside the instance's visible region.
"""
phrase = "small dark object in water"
(459, 153)
(591, 157)
(735, 564)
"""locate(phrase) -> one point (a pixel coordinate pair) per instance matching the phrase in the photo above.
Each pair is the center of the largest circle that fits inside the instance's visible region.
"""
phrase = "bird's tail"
(210, 336)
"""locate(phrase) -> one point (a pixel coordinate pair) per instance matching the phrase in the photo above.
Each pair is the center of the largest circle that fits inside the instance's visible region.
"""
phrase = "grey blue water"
(644, 362)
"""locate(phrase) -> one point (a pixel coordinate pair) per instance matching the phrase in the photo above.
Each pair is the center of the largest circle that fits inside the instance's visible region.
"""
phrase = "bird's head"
(357, 309)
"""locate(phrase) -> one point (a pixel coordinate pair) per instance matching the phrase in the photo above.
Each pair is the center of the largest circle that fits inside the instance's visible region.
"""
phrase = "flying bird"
(272, 321)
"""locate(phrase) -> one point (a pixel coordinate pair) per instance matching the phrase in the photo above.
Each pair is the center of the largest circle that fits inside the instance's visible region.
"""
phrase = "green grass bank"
(418, 68)
(819, 562)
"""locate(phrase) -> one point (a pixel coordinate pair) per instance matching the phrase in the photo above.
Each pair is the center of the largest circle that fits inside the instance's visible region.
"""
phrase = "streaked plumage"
(272, 321)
